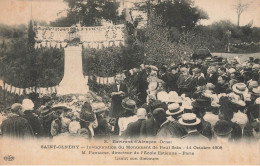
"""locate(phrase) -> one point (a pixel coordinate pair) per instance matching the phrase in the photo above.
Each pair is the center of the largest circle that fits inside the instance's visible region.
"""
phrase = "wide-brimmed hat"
(240, 88)
(256, 91)
(203, 102)
(222, 128)
(129, 105)
(189, 119)
(174, 97)
(231, 70)
(174, 109)
(253, 84)
(60, 106)
(163, 96)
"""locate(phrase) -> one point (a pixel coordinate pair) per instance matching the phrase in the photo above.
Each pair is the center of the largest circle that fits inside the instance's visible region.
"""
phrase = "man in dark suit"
(143, 84)
(119, 91)
(134, 129)
(212, 76)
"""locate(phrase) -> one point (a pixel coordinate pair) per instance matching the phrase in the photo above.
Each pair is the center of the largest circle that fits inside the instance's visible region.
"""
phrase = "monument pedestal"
(73, 81)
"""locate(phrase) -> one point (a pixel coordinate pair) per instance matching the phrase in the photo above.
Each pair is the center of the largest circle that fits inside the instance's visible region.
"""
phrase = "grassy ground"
(242, 57)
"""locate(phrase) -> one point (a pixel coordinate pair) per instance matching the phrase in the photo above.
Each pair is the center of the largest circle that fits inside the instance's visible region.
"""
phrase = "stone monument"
(73, 39)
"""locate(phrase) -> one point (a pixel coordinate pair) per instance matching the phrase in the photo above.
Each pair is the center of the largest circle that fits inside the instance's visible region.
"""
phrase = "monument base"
(73, 81)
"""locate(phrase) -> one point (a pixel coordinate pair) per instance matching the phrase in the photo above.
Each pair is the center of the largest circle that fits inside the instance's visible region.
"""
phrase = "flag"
(63, 44)
(98, 79)
(105, 80)
(48, 44)
(58, 45)
(2, 83)
(44, 44)
(101, 80)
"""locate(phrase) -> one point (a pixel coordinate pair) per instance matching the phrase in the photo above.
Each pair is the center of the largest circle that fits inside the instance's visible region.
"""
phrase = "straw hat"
(163, 96)
(174, 109)
(189, 119)
(240, 88)
(174, 97)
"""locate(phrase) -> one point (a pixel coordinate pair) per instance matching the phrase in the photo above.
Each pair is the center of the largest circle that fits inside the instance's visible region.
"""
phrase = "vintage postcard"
(129, 82)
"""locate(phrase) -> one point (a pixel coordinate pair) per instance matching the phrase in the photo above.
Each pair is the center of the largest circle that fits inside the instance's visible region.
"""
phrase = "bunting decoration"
(91, 37)
(50, 90)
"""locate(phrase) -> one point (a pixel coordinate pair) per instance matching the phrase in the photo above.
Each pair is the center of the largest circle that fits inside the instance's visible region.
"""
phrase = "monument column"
(73, 81)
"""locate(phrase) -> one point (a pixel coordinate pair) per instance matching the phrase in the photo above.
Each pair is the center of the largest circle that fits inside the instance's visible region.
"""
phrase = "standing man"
(119, 91)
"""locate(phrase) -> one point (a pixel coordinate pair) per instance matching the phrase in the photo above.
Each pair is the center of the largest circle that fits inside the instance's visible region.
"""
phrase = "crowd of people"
(201, 100)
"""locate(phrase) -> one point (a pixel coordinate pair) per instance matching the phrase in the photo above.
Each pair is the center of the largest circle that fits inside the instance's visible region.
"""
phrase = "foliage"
(176, 13)
(88, 13)
(158, 47)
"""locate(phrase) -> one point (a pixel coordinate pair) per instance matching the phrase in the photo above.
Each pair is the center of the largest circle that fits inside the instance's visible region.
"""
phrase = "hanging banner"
(53, 44)
(98, 79)
(101, 80)
(43, 44)
(58, 45)
(63, 44)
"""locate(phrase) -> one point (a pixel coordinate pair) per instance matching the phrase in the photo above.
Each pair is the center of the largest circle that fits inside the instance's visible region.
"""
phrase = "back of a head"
(16, 107)
(141, 113)
(159, 115)
(27, 104)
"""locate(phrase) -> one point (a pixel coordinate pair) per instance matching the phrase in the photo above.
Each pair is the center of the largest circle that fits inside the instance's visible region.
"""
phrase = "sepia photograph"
(129, 82)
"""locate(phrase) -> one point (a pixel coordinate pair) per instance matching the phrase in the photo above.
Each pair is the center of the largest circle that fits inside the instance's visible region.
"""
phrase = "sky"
(19, 11)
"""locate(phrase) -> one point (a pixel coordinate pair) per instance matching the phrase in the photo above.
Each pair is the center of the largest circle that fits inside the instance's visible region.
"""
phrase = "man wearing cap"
(168, 129)
(133, 129)
(127, 116)
(190, 122)
(16, 126)
(28, 108)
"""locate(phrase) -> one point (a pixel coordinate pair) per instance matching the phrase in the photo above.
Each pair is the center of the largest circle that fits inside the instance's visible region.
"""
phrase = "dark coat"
(170, 81)
(184, 85)
(133, 129)
(205, 129)
(103, 130)
(117, 100)
(212, 79)
(171, 129)
(142, 86)
(149, 128)
(194, 136)
(16, 127)
(34, 122)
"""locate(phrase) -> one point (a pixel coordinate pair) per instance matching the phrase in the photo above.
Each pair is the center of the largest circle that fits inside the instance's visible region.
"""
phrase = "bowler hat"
(222, 128)
(203, 102)
(129, 105)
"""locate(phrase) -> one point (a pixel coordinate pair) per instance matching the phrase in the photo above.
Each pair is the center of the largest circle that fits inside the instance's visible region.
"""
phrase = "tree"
(88, 12)
(175, 13)
(240, 8)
